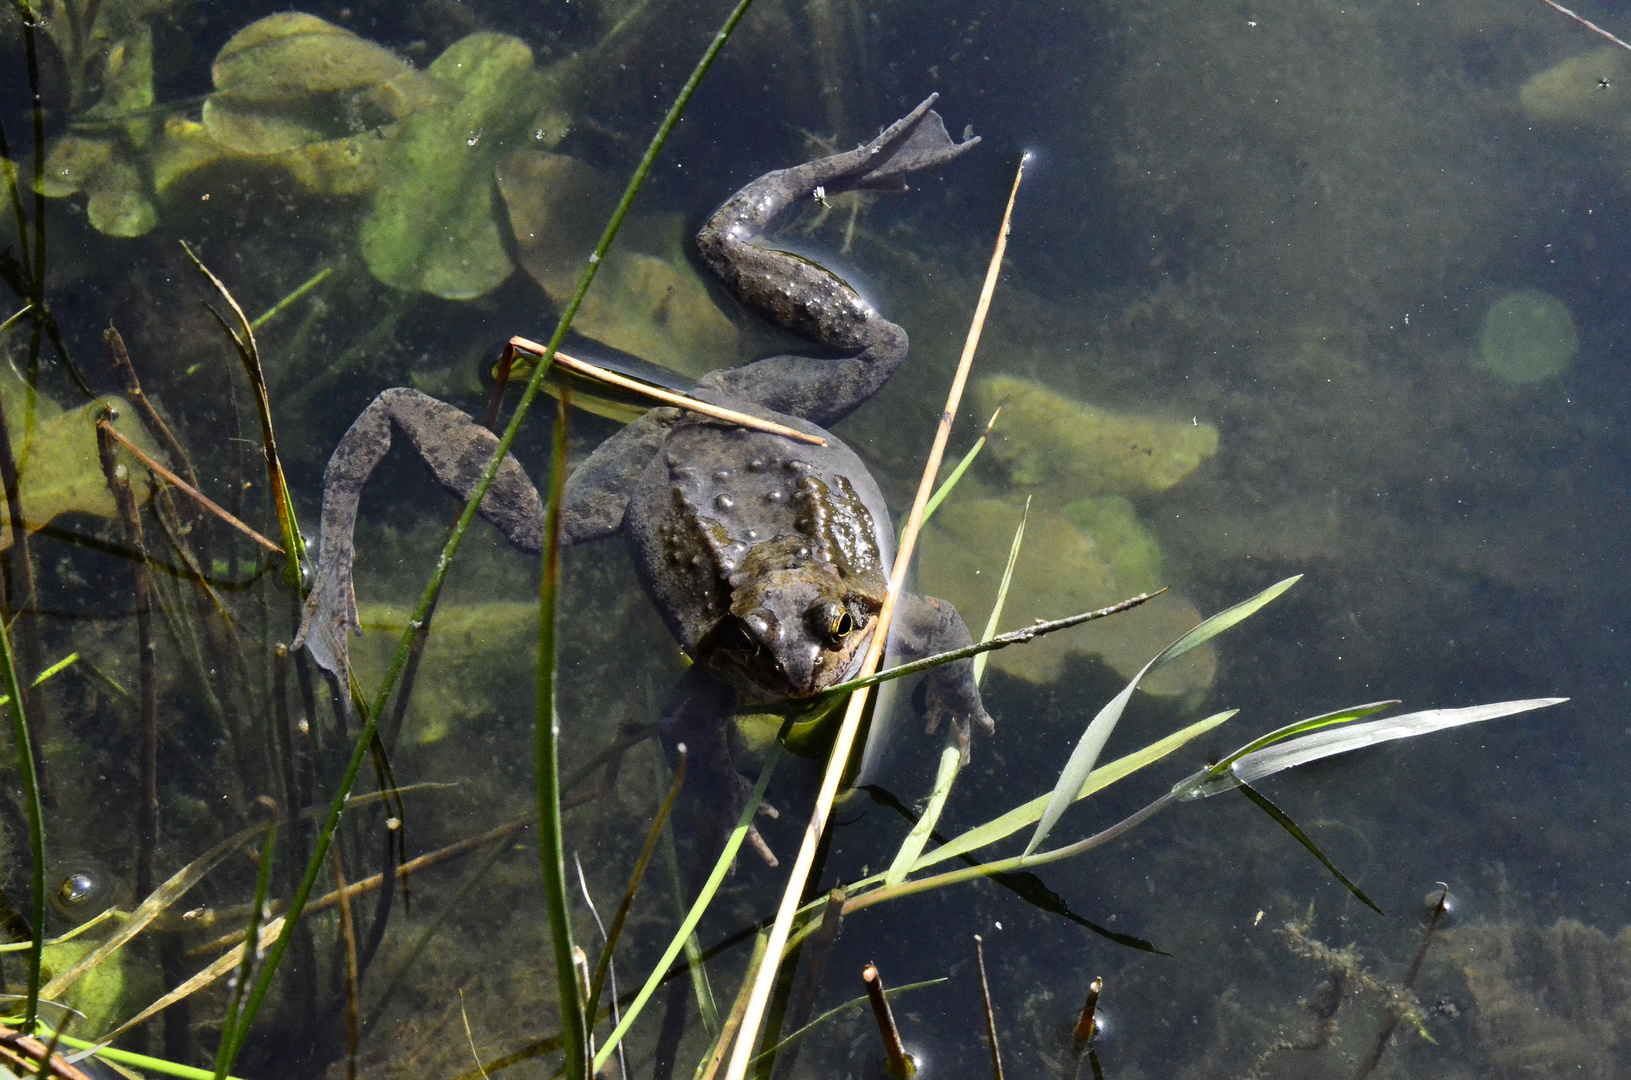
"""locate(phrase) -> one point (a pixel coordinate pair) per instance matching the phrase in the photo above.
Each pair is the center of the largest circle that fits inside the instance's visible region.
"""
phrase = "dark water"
(1287, 221)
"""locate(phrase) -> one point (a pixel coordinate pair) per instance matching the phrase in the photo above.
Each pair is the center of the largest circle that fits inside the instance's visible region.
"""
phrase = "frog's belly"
(711, 494)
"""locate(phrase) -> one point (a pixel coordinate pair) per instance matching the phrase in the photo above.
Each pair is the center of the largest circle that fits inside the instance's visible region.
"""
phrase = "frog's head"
(792, 633)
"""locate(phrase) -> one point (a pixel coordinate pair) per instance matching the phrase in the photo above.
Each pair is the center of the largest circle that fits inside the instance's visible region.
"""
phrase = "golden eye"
(840, 626)
(741, 640)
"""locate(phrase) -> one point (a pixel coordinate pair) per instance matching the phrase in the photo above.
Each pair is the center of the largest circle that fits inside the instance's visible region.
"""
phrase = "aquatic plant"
(293, 747)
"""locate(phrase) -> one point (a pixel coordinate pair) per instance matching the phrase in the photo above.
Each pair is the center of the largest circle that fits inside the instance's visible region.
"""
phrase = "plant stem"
(547, 731)
(36, 823)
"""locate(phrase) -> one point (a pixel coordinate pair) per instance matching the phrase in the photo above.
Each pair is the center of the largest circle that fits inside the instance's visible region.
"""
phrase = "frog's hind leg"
(698, 717)
(805, 297)
(457, 450)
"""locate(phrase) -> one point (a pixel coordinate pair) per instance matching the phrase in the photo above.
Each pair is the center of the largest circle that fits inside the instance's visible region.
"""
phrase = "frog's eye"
(741, 640)
(831, 620)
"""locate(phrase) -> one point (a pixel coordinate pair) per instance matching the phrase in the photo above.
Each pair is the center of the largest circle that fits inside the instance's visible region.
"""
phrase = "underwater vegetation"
(441, 170)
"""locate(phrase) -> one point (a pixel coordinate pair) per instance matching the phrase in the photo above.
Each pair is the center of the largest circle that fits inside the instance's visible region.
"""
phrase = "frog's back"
(713, 495)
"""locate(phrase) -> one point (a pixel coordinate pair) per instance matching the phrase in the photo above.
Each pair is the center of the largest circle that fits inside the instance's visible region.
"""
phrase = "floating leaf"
(432, 227)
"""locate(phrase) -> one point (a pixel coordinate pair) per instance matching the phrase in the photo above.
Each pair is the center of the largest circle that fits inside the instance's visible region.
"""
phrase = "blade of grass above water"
(1087, 749)
(455, 539)
(36, 823)
(1016, 819)
(546, 737)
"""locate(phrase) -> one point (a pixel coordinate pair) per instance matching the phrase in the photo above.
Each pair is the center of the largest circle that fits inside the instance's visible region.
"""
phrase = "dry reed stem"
(845, 741)
(186, 488)
(1587, 23)
(666, 397)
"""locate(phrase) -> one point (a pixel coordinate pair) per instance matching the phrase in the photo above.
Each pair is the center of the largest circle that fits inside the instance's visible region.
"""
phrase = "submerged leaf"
(432, 227)
(292, 78)
(647, 300)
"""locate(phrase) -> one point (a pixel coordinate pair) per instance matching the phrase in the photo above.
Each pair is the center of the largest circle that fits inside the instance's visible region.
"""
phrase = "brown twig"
(1088, 1025)
(147, 813)
(990, 1013)
(1587, 23)
(203, 500)
(1385, 1035)
(664, 397)
(348, 931)
(845, 740)
(900, 1063)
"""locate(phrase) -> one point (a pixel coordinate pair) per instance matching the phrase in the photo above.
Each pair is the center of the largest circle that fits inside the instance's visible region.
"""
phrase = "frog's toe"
(762, 848)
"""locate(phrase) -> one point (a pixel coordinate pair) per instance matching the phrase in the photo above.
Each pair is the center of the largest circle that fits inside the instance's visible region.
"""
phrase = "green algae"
(432, 227)
(1527, 336)
(647, 300)
(1092, 554)
(1074, 449)
(291, 79)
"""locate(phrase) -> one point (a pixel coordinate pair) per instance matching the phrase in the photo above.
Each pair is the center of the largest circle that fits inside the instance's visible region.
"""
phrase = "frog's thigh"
(597, 492)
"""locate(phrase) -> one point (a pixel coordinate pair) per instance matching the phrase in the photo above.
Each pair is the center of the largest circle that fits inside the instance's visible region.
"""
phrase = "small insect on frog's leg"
(698, 715)
(457, 450)
(806, 298)
(924, 626)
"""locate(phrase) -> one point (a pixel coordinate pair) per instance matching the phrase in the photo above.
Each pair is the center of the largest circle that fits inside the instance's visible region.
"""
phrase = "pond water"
(1317, 288)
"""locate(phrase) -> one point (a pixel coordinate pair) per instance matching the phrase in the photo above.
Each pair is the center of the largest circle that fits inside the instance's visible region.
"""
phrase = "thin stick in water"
(990, 1014)
(900, 1063)
(147, 812)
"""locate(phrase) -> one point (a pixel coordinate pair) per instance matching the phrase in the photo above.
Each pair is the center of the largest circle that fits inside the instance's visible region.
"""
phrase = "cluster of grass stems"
(257, 951)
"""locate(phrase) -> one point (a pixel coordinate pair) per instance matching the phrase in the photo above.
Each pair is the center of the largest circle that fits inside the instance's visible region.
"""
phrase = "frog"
(768, 559)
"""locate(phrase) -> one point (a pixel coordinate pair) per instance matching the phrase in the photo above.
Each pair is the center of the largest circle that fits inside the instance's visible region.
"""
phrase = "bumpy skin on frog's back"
(767, 559)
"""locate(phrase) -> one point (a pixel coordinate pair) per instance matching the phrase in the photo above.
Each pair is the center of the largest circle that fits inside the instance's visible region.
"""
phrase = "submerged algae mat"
(478, 664)
(1048, 440)
(1091, 554)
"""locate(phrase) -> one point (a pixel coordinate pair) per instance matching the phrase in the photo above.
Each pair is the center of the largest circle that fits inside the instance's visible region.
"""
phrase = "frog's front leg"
(923, 626)
(457, 450)
(698, 716)
(806, 297)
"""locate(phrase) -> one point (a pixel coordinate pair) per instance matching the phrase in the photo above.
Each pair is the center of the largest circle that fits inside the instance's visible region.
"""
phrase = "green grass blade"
(1331, 741)
(951, 759)
(36, 823)
(1002, 592)
(234, 1014)
(1282, 819)
(950, 483)
(551, 846)
(1101, 778)
(140, 1061)
(1088, 747)
(1313, 723)
(722, 866)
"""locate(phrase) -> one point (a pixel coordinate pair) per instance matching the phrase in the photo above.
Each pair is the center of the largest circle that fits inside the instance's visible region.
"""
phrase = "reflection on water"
(1343, 239)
